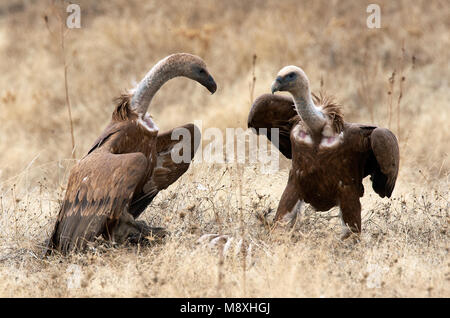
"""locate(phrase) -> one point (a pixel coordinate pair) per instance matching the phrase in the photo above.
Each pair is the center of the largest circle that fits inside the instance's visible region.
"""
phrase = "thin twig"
(253, 82)
(62, 36)
(400, 94)
(390, 94)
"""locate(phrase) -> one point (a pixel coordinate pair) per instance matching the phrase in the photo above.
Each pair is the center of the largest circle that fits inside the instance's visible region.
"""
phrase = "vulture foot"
(347, 234)
(149, 235)
(134, 232)
(286, 219)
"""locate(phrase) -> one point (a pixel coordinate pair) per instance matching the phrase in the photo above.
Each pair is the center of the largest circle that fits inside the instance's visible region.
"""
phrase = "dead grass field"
(404, 248)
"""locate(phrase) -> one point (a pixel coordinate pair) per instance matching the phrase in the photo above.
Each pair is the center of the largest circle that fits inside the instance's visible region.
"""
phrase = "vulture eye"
(202, 71)
(291, 75)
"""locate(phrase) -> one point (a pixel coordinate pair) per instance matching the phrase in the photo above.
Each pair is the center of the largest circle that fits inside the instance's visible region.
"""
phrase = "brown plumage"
(126, 166)
(330, 157)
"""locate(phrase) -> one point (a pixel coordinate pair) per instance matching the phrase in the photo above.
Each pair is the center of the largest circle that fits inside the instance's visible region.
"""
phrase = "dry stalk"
(62, 34)
(220, 270)
(365, 88)
(253, 82)
(400, 94)
(240, 173)
(390, 98)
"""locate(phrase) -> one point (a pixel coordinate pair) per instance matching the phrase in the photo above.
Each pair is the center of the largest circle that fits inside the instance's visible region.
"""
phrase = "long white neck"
(163, 71)
(310, 115)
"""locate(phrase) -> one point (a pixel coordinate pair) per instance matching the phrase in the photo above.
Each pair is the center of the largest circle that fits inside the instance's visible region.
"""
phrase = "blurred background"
(396, 76)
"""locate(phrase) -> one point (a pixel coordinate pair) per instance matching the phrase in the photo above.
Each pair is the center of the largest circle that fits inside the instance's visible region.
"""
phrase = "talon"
(157, 234)
(347, 233)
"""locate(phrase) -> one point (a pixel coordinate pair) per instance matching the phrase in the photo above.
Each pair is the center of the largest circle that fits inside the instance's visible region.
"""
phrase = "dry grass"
(404, 247)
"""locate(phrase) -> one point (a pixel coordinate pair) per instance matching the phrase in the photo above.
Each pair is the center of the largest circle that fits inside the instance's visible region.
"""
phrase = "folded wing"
(385, 150)
(100, 188)
(171, 163)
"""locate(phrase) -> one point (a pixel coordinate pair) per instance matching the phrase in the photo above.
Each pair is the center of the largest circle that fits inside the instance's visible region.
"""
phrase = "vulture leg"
(132, 231)
(290, 204)
(290, 217)
(350, 212)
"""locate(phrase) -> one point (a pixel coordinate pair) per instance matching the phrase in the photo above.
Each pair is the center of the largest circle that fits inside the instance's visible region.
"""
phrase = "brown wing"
(385, 150)
(168, 169)
(383, 156)
(274, 111)
(100, 187)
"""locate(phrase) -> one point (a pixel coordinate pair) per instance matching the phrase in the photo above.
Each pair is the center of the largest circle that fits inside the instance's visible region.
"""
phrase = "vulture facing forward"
(127, 165)
(330, 157)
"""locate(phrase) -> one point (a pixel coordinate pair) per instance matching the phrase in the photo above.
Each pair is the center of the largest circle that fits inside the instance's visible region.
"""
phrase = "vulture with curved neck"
(330, 157)
(127, 165)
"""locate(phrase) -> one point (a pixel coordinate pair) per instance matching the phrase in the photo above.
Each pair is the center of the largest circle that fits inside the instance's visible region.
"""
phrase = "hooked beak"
(211, 85)
(276, 85)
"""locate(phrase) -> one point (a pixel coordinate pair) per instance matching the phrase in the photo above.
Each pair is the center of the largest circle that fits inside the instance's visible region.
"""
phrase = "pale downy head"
(193, 67)
(292, 79)
(175, 65)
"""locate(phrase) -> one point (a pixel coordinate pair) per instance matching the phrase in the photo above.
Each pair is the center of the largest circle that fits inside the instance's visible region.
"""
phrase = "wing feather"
(166, 170)
(382, 162)
(274, 111)
(386, 152)
(100, 187)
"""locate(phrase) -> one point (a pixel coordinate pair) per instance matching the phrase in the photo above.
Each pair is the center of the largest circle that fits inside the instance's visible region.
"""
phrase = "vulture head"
(185, 65)
(195, 69)
(175, 65)
(292, 79)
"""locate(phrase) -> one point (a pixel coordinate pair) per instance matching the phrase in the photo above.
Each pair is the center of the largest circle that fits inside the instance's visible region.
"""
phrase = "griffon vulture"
(330, 157)
(127, 166)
